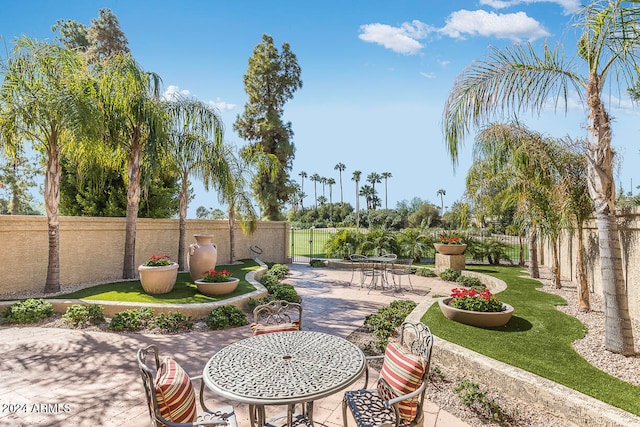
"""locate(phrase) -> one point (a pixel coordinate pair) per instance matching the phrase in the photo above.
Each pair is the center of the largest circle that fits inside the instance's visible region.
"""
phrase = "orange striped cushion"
(259, 328)
(176, 399)
(403, 371)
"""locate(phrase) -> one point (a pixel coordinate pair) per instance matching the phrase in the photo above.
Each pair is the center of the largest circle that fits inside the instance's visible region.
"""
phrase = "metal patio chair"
(398, 399)
(170, 395)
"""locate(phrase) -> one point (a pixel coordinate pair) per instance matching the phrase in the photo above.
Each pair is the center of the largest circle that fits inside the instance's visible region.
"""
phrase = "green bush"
(426, 272)
(269, 281)
(79, 315)
(131, 320)
(280, 271)
(254, 302)
(317, 263)
(28, 311)
(384, 322)
(471, 282)
(286, 293)
(450, 275)
(226, 316)
(476, 399)
(173, 322)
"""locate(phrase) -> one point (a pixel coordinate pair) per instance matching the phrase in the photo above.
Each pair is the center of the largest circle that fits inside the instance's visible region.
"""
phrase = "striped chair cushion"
(176, 398)
(259, 328)
(403, 372)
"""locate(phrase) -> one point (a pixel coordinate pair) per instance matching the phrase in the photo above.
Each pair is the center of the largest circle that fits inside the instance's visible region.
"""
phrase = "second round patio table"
(283, 368)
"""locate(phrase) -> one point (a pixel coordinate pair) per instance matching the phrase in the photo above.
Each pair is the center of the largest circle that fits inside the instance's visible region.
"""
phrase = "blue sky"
(375, 75)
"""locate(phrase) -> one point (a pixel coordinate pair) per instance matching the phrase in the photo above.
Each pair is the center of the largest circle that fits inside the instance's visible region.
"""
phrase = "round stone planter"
(158, 280)
(476, 318)
(450, 249)
(217, 288)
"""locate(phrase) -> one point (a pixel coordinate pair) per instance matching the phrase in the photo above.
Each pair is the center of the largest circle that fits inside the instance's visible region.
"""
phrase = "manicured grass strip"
(537, 339)
(184, 291)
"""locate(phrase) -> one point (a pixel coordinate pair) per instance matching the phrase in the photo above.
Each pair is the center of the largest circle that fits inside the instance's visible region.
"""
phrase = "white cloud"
(443, 63)
(428, 75)
(569, 6)
(172, 92)
(222, 105)
(403, 39)
(514, 26)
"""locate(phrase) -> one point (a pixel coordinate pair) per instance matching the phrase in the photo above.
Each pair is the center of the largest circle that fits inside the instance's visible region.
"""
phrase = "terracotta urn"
(203, 256)
(217, 288)
(450, 249)
(482, 319)
(158, 279)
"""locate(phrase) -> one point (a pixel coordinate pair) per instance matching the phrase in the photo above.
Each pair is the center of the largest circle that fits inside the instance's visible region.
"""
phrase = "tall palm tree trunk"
(232, 237)
(182, 238)
(133, 198)
(581, 276)
(556, 264)
(534, 270)
(52, 202)
(618, 332)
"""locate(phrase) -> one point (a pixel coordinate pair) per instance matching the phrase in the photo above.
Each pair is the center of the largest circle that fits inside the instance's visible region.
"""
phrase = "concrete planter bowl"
(217, 288)
(476, 318)
(450, 249)
(159, 279)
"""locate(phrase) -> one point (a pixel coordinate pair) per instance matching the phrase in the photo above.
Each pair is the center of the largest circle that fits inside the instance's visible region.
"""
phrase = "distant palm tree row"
(369, 192)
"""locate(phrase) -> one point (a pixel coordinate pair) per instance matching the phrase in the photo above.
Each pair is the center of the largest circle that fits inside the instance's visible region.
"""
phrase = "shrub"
(28, 311)
(317, 263)
(269, 281)
(383, 323)
(131, 320)
(450, 275)
(226, 316)
(471, 282)
(79, 315)
(280, 271)
(286, 293)
(471, 395)
(173, 322)
(254, 302)
(426, 272)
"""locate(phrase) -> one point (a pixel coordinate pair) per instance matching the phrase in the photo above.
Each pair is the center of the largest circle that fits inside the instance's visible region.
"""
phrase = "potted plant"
(158, 275)
(450, 244)
(475, 308)
(216, 282)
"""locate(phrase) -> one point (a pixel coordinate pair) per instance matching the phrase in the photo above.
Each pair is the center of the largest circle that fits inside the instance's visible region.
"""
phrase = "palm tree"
(38, 103)
(356, 177)
(233, 190)
(340, 167)
(517, 78)
(441, 193)
(315, 178)
(302, 175)
(330, 182)
(130, 98)
(368, 192)
(374, 178)
(323, 181)
(194, 145)
(385, 176)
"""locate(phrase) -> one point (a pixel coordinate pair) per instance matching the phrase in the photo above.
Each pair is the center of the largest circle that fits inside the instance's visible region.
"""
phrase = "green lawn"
(184, 291)
(302, 247)
(538, 339)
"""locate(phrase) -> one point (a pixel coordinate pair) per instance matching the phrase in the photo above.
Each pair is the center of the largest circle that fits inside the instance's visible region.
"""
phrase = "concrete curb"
(577, 408)
(196, 311)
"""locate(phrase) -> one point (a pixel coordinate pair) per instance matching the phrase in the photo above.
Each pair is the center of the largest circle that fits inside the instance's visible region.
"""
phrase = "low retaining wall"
(196, 311)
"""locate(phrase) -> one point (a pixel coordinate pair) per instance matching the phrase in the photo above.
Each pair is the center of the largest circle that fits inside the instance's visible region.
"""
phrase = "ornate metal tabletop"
(284, 368)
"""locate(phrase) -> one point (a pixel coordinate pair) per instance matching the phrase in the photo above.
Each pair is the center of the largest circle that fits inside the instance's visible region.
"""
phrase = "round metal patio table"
(283, 368)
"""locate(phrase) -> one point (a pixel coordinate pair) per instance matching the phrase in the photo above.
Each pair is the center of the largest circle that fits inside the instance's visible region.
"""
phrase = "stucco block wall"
(629, 230)
(92, 249)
